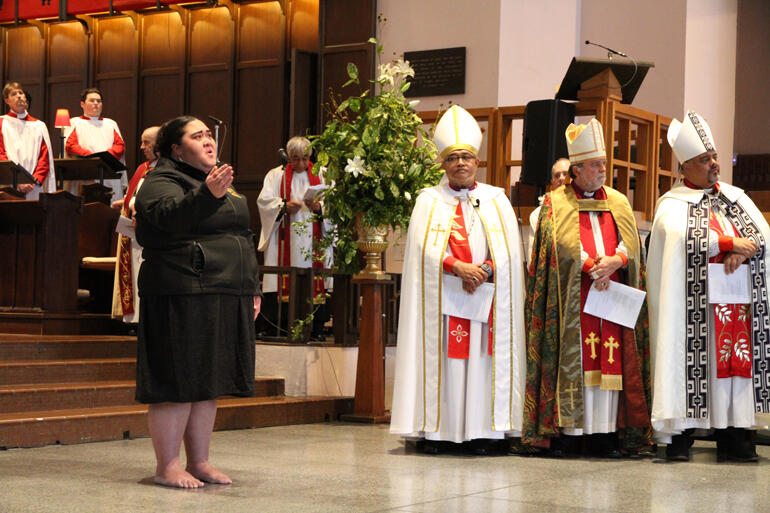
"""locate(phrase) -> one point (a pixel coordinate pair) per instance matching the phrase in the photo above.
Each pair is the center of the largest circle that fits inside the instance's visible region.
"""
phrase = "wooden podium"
(39, 259)
(13, 174)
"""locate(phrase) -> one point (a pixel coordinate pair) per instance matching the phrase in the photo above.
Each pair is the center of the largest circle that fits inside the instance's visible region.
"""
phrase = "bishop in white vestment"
(459, 379)
(92, 133)
(24, 140)
(711, 361)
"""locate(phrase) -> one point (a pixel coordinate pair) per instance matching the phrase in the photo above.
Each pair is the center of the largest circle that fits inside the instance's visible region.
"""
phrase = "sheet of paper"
(312, 192)
(619, 303)
(458, 303)
(124, 227)
(729, 288)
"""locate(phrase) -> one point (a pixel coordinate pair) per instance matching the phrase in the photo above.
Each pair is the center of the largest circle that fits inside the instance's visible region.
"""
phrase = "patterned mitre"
(690, 138)
(585, 142)
(457, 130)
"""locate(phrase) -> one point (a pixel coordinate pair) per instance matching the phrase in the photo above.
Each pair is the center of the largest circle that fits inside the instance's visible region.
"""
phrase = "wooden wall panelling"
(162, 55)
(24, 56)
(260, 94)
(67, 47)
(210, 71)
(115, 72)
(341, 42)
(303, 26)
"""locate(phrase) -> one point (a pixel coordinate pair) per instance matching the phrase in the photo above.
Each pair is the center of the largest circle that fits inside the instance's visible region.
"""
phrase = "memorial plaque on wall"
(437, 72)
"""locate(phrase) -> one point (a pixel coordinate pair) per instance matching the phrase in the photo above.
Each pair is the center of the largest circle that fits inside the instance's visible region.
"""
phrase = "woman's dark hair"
(171, 133)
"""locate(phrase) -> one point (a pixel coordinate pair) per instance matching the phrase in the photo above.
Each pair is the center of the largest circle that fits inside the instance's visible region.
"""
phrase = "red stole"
(732, 326)
(285, 242)
(602, 339)
(125, 283)
(459, 331)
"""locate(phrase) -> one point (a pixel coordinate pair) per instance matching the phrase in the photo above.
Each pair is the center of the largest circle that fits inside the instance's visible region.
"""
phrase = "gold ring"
(474, 279)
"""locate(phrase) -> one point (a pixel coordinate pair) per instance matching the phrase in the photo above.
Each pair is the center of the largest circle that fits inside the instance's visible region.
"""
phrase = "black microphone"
(216, 120)
(283, 156)
(610, 50)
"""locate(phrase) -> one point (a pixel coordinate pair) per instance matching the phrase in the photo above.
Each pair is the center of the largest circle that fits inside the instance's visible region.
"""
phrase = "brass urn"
(372, 242)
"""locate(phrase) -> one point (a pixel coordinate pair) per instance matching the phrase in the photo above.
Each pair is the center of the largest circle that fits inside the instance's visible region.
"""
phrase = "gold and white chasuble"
(452, 399)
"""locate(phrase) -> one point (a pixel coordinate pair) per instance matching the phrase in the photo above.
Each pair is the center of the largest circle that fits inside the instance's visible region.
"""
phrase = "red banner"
(31, 9)
(96, 6)
(7, 11)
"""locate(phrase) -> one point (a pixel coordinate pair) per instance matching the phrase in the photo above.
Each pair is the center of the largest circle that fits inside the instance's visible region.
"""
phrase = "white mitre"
(690, 138)
(585, 142)
(457, 130)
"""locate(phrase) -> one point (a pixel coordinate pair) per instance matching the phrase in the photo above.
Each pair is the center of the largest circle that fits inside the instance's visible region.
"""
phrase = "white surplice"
(441, 398)
(97, 134)
(270, 204)
(730, 400)
(23, 139)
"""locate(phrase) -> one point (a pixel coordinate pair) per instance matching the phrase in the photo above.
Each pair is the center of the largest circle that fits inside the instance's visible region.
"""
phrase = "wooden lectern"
(14, 174)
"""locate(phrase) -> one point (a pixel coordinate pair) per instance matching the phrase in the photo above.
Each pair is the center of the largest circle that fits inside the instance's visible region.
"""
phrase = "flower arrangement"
(376, 156)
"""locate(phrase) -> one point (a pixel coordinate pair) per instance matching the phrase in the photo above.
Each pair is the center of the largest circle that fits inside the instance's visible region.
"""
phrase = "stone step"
(66, 371)
(92, 394)
(61, 347)
(67, 426)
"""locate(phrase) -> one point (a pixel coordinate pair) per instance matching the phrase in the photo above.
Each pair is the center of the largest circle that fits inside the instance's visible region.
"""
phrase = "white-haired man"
(282, 203)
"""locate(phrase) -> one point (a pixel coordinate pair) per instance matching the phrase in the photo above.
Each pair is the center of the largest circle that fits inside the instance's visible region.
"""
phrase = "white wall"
(414, 25)
(649, 30)
(710, 70)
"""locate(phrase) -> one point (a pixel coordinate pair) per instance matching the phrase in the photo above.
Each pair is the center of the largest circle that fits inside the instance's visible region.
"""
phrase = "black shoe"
(565, 446)
(480, 446)
(430, 446)
(737, 445)
(604, 445)
(679, 448)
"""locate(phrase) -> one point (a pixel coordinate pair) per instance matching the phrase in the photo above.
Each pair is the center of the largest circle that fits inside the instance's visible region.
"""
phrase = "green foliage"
(398, 159)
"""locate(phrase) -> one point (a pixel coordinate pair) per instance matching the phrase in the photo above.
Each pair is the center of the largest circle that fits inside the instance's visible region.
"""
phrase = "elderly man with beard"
(586, 376)
(711, 358)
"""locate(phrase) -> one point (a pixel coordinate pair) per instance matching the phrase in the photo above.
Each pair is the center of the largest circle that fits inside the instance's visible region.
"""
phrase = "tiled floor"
(361, 468)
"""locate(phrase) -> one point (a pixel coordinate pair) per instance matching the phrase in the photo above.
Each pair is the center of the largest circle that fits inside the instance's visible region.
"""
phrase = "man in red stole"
(586, 376)
(285, 199)
(460, 360)
(24, 140)
(711, 356)
(125, 297)
(93, 133)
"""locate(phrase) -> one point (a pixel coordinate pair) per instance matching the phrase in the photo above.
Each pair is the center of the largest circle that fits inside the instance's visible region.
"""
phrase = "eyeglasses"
(453, 159)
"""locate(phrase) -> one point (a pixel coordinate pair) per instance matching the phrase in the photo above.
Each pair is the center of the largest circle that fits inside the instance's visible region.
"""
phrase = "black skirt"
(195, 348)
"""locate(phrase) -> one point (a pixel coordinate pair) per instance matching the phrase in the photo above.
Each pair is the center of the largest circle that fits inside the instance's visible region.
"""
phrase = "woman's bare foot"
(175, 476)
(208, 473)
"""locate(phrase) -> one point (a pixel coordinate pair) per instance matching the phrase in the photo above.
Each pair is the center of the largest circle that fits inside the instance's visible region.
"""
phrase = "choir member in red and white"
(282, 203)
(24, 140)
(460, 375)
(93, 133)
(586, 376)
(199, 293)
(711, 357)
(125, 298)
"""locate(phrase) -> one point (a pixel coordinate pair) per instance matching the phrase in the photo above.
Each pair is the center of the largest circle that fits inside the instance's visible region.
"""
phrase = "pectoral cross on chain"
(572, 389)
(439, 230)
(612, 344)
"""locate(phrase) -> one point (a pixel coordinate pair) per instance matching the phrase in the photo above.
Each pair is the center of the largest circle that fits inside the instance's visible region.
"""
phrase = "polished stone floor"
(361, 468)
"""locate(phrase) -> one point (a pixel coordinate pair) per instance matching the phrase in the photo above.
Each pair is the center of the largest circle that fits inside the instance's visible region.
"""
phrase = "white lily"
(355, 166)
(403, 67)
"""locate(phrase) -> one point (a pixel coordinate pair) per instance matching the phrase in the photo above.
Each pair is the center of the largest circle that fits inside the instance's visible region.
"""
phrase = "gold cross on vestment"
(592, 340)
(496, 231)
(572, 389)
(612, 344)
(438, 229)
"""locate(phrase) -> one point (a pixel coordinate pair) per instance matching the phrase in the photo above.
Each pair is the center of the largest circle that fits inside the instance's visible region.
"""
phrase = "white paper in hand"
(125, 227)
(458, 303)
(729, 288)
(312, 192)
(619, 303)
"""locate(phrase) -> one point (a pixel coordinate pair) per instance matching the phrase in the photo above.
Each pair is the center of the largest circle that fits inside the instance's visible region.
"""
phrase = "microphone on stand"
(283, 156)
(610, 51)
(216, 121)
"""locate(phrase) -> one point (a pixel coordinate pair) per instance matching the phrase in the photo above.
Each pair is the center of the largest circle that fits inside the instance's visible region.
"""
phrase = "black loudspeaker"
(543, 141)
